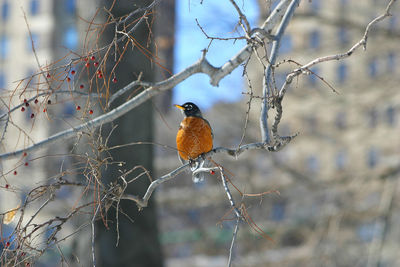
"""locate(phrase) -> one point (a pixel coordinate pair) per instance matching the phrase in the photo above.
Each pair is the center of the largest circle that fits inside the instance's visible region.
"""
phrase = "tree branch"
(267, 76)
(361, 43)
(201, 66)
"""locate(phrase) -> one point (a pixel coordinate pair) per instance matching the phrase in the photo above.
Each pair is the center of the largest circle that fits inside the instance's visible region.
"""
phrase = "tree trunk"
(138, 244)
(164, 29)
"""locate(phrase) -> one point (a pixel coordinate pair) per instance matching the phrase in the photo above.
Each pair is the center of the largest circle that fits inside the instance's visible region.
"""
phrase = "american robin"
(194, 136)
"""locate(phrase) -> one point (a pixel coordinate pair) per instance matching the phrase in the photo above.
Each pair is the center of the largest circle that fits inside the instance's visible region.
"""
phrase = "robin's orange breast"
(194, 138)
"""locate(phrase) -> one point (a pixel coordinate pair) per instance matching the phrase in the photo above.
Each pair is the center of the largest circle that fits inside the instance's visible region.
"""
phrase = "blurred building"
(33, 34)
(338, 203)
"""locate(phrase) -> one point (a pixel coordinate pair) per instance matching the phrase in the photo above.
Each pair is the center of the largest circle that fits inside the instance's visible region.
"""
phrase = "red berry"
(48, 75)
(7, 185)
(212, 172)
(87, 65)
(78, 107)
(25, 100)
(32, 116)
(96, 64)
(114, 80)
(44, 110)
(85, 59)
(15, 173)
(49, 102)
(81, 86)
(36, 101)
(92, 57)
(22, 109)
(26, 164)
(25, 154)
(27, 104)
(68, 79)
(73, 72)
(7, 244)
(91, 111)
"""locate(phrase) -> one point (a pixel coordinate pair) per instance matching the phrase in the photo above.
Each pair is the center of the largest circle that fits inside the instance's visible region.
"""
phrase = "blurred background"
(338, 180)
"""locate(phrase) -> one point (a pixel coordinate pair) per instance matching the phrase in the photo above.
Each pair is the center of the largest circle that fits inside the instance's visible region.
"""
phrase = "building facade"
(337, 180)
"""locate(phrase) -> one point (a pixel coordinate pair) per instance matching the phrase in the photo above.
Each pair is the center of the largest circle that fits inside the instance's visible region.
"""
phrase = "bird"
(194, 137)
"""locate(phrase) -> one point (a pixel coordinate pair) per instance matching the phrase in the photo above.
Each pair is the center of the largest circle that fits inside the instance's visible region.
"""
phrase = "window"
(286, 44)
(315, 5)
(5, 10)
(32, 38)
(391, 115)
(373, 68)
(69, 109)
(312, 123)
(372, 118)
(392, 23)
(366, 232)
(341, 160)
(314, 40)
(372, 157)
(312, 164)
(313, 78)
(343, 36)
(71, 38)
(278, 211)
(34, 7)
(342, 73)
(30, 72)
(194, 215)
(340, 120)
(2, 80)
(391, 62)
(70, 6)
(4, 46)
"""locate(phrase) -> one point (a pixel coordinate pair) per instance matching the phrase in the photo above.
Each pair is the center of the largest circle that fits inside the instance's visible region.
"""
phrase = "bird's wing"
(209, 125)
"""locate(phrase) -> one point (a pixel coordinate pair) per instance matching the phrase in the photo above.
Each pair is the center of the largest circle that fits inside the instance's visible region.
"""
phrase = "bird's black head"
(190, 109)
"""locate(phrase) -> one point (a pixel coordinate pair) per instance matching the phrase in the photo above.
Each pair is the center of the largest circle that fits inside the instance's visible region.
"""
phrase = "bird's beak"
(180, 107)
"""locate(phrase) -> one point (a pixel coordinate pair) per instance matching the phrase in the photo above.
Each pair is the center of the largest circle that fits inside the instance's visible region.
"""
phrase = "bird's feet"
(192, 164)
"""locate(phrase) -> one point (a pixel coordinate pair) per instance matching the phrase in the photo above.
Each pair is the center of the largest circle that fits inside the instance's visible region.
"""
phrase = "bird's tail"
(199, 176)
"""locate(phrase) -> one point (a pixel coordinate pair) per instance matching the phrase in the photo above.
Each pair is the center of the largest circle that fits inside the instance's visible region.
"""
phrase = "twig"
(267, 91)
(242, 18)
(361, 43)
(236, 211)
(201, 66)
(228, 193)
(234, 152)
(142, 202)
(233, 242)
(94, 236)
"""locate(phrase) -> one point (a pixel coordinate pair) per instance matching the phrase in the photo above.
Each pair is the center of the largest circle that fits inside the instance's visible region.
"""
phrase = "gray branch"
(201, 66)
(267, 76)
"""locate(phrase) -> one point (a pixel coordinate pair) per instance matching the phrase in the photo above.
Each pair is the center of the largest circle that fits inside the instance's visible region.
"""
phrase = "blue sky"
(218, 18)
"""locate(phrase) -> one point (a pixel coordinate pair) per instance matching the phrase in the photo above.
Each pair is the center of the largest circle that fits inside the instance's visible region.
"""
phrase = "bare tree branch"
(361, 43)
(201, 66)
(267, 92)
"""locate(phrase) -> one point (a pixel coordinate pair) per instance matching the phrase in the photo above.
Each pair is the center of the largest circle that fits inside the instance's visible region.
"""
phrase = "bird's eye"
(189, 107)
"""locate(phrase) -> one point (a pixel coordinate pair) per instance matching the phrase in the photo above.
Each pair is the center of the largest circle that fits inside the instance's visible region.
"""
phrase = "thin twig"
(201, 66)
(267, 91)
(361, 43)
